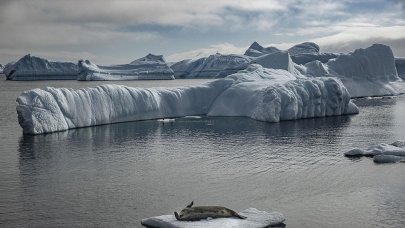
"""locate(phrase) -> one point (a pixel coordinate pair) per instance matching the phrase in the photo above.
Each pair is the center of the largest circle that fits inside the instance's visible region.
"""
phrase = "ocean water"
(115, 175)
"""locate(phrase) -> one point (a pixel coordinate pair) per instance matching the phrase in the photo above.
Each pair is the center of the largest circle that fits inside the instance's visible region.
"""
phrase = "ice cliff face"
(256, 92)
(147, 68)
(400, 65)
(35, 68)
(214, 66)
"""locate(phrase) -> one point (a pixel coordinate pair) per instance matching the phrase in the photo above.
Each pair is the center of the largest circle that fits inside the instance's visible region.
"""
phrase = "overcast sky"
(113, 32)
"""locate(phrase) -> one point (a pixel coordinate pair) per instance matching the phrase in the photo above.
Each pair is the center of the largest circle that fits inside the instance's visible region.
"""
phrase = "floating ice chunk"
(386, 149)
(35, 68)
(254, 219)
(147, 68)
(355, 153)
(383, 158)
(170, 120)
(256, 92)
(214, 66)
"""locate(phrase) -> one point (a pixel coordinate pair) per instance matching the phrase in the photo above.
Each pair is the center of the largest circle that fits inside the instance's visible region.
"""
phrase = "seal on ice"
(191, 213)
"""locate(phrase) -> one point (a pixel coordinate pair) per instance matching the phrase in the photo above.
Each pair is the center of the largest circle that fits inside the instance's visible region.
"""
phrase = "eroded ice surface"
(147, 68)
(35, 68)
(213, 66)
(256, 92)
(254, 219)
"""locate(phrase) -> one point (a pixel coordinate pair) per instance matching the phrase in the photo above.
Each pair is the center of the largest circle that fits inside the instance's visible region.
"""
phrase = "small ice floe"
(381, 153)
(166, 120)
(382, 158)
(192, 117)
(254, 218)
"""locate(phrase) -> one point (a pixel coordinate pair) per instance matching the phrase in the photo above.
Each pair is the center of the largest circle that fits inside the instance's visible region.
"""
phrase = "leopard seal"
(191, 213)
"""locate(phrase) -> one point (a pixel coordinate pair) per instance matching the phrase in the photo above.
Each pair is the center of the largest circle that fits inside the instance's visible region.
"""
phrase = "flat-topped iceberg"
(213, 66)
(150, 67)
(256, 92)
(35, 68)
(364, 72)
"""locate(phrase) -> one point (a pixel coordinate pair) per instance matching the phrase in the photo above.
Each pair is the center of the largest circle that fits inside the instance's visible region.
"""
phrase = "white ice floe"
(400, 65)
(382, 153)
(149, 67)
(256, 92)
(254, 219)
(35, 68)
(213, 66)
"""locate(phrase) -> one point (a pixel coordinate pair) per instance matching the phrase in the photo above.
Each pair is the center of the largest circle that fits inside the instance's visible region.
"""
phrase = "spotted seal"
(191, 213)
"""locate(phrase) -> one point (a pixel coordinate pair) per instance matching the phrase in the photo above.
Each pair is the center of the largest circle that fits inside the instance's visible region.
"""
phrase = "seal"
(191, 213)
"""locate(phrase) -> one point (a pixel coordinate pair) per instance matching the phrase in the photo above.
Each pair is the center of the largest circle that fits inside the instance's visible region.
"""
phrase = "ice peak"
(304, 48)
(150, 58)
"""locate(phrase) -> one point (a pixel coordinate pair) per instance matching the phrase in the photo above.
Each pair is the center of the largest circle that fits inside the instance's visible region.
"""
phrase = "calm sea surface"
(115, 175)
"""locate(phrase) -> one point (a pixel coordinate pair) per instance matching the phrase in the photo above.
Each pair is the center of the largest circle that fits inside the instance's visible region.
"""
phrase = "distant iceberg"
(35, 68)
(213, 66)
(256, 92)
(256, 50)
(364, 72)
(400, 65)
(150, 67)
(300, 53)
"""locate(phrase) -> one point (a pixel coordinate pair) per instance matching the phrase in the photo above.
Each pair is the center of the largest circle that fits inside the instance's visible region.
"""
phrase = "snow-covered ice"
(147, 68)
(400, 65)
(364, 72)
(256, 50)
(213, 66)
(254, 219)
(35, 68)
(381, 153)
(256, 92)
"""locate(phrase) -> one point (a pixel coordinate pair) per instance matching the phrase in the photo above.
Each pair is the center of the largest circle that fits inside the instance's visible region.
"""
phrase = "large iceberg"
(149, 67)
(364, 72)
(256, 92)
(400, 65)
(213, 66)
(35, 68)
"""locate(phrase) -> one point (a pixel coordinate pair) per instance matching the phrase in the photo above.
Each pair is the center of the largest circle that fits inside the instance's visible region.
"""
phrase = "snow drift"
(256, 92)
(35, 68)
(214, 66)
(146, 68)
